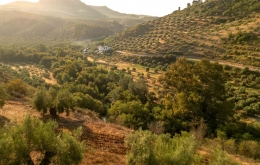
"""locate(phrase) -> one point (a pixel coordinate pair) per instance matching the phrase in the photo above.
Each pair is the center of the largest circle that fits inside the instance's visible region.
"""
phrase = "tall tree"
(198, 91)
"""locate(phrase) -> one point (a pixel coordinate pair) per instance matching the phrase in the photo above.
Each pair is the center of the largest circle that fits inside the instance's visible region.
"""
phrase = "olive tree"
(2, 96)
(198, 92)
(56, 100)
(17, 142)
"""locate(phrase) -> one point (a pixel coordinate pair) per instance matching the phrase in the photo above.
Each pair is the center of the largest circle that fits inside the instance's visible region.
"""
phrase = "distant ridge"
(71, 9)
(59, 8)
(18, 24)
(114, 14)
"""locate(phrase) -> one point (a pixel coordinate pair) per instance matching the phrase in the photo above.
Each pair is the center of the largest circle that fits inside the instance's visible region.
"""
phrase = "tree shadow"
(67, 123)
(3, 121)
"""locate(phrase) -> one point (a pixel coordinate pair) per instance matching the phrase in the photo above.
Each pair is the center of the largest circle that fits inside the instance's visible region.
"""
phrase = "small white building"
(102, 49)
(85, 50)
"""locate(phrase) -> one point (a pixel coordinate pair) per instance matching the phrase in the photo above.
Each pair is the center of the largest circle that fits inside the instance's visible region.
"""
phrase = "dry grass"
(99, 157)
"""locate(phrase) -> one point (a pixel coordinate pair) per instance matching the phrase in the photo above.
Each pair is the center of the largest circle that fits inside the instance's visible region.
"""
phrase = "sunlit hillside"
(75, 9)
(226, 30)
(81, 85)
(17, 24)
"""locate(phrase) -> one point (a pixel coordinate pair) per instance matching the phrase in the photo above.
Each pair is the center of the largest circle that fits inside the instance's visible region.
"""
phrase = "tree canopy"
(197, 91)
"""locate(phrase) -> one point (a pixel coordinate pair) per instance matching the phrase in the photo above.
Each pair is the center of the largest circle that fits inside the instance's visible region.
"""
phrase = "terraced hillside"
(17, 24)
(218, 29)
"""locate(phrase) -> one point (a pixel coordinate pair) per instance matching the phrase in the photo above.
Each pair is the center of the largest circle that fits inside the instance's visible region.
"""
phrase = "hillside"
(128, 20)
(17, 24)
(75, 9)
(214, 29)
(59, 80)
(59, 8)
(114, 14)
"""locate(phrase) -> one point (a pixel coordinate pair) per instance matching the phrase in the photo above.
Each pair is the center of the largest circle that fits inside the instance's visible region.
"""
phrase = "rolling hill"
(75, 9)
(18, 25)
(114, 14)
(227, 30)
(58, 8)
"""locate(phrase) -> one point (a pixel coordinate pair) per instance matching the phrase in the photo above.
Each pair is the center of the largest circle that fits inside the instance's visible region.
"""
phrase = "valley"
(82, 84)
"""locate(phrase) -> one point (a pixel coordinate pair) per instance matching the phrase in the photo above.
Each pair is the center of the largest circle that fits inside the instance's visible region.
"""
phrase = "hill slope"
(19, 24)
(59, 8)
(74, 9)
(219, 29)
(114, 14)
(128, 20)
(106, 140)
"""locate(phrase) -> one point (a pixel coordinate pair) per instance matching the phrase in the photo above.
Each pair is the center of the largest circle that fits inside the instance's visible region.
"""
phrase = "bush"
(230, 146)
(114, 67)
(219, 156)
(17, 88)
(18, 141)
(249, 149)
(146, 148)
(3, 96)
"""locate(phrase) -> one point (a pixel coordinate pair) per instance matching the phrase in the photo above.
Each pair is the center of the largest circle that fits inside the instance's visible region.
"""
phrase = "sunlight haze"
(146, 7)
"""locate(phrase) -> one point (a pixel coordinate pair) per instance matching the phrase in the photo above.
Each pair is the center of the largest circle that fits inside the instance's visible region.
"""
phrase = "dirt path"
(241, 66)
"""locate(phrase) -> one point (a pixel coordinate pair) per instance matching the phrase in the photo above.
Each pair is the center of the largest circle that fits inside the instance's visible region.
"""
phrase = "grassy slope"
(199, 31)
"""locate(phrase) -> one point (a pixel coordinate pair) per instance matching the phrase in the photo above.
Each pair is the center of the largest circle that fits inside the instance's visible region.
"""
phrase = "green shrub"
(18, 141)
(146, 148)
(220, 157)
(17, 88)
(3, 96)
(230, 146)
(249, 149)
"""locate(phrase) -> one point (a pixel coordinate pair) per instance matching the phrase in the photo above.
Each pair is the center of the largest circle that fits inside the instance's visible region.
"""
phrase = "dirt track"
(256, 69)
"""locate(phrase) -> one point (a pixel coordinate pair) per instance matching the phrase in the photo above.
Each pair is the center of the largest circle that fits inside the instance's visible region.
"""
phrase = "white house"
(102, 49)
(85, 50)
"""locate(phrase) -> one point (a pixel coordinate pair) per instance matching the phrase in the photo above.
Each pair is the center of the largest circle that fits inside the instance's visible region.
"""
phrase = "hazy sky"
(147, 7)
